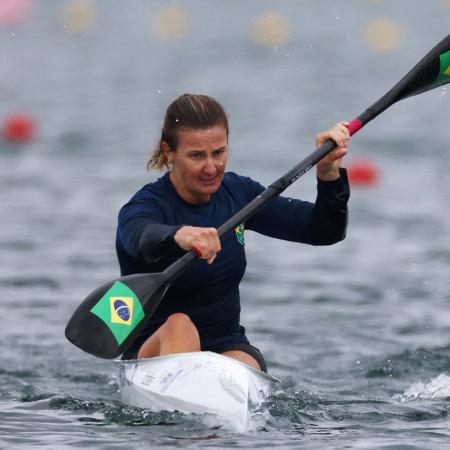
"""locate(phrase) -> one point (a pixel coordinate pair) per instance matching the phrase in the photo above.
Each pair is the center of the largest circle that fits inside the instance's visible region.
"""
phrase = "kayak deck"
(197, 382)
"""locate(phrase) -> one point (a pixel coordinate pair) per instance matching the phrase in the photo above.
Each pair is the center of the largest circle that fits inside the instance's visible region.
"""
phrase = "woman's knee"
(179, 323)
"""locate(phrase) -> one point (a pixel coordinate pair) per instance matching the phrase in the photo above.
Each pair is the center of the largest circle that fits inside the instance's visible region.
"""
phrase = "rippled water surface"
(357, 332)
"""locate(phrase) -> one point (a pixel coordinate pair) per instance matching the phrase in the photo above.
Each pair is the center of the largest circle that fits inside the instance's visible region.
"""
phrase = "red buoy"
(362, 172)
(19, 128)
(13, 12)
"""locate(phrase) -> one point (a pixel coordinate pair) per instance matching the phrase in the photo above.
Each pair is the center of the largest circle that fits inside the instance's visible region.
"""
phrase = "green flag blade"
(444, 72)
(120, 310)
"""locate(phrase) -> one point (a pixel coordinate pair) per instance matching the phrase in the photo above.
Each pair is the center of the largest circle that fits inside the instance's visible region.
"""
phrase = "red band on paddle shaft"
(197, 251)
(354, 126)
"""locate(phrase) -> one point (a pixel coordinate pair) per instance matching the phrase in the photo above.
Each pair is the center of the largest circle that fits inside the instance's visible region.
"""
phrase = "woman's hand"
(204, 241)
(328, 167)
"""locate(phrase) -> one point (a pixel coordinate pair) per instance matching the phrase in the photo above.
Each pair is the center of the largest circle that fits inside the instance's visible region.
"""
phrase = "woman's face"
(198, 163)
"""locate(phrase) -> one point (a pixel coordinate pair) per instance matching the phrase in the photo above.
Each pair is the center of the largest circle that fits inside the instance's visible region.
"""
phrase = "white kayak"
(199, 382)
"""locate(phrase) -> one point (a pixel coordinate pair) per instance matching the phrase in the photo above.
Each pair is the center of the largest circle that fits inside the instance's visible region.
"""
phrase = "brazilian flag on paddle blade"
(444, 72)
(120, 310)
(110, 318)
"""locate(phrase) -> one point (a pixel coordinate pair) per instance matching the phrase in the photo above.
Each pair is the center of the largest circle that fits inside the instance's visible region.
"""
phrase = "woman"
(182, 210)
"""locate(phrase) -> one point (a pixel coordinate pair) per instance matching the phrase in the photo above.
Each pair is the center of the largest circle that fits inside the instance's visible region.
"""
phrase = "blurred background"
(358, 332)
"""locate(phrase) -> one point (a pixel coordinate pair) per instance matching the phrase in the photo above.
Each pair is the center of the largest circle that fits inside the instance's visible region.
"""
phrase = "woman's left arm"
(323, 222)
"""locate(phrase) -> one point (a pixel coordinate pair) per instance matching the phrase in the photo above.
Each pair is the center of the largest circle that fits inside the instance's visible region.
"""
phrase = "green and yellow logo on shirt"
(239, 230)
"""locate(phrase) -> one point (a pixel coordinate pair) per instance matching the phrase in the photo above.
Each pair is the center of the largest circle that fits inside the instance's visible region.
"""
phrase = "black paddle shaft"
(427, 74)
(91, 327)
(256, 204)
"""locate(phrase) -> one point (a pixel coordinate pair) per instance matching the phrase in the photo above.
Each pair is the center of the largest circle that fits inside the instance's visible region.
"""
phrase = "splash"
(438, 387)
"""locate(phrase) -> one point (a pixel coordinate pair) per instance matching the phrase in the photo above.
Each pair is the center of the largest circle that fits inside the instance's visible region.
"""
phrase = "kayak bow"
(199, 382)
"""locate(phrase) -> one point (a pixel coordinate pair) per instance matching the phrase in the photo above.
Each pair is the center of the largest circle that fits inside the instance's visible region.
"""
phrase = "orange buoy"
(362, 172)
(19, 128)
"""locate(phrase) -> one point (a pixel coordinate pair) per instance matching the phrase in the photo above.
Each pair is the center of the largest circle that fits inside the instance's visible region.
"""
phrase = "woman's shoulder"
(241, 185)
(153, 190)
(152, 197)
(231, 178)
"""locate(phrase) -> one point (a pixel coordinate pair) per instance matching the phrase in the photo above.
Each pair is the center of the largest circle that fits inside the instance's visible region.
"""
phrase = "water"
(358, 332)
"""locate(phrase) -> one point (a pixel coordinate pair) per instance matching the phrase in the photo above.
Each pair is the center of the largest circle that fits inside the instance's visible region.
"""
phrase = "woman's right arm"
(143, 233)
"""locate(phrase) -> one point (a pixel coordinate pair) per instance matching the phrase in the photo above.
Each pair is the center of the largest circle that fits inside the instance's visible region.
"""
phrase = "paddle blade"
(111, 317)
(431, 72)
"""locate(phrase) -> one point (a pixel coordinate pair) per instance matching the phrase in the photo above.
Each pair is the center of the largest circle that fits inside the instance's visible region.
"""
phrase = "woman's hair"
(187, 111)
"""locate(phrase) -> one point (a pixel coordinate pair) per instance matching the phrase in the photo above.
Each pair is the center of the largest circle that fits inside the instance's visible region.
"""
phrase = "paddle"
(111, 317)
